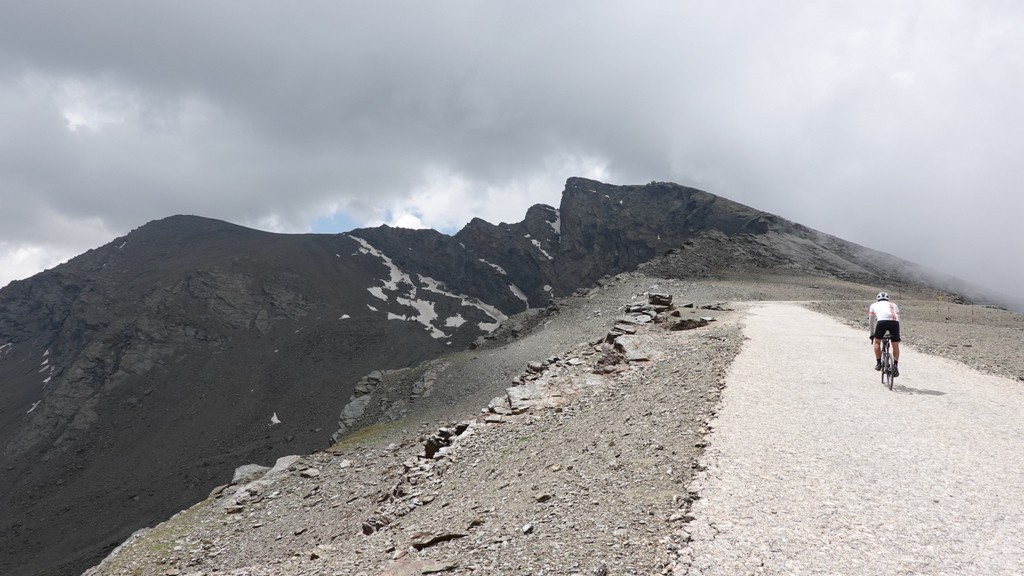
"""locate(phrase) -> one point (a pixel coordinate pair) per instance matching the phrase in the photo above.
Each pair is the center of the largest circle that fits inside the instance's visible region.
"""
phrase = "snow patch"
(519, 293)
(488, 327)
(45, 354)
(424, 307)
(557, 224)
(396, 274)
(455, 321)
(378, 292)
(47, 381)
(344, 317)
(548, 288)
(539, 247)
(274, 419)
(34, 404)
(426, 315)
(431, 285)
(495, 266)
(426, 312)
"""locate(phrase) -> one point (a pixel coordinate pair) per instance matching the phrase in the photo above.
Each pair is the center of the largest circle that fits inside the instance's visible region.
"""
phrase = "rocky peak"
(523, 253)
(615, 228)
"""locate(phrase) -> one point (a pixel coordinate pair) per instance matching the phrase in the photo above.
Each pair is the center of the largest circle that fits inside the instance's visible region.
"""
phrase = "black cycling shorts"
(891, 326)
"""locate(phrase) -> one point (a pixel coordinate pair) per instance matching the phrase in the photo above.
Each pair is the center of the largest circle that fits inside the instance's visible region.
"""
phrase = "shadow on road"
(909, 390)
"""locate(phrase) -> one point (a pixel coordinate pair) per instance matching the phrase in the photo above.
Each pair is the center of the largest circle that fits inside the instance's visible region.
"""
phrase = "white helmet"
(882, 296)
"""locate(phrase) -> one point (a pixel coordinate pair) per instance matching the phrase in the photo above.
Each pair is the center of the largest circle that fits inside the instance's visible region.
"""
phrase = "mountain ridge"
(188, 337)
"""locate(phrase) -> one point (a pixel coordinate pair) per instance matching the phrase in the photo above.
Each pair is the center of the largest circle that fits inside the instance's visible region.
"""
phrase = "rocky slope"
(501, 490)
(138, 375)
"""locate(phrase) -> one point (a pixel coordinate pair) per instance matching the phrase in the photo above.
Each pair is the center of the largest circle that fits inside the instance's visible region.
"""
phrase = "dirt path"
(814, 468)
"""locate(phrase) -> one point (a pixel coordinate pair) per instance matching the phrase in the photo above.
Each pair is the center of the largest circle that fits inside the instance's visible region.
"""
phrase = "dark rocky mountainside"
(137, 376)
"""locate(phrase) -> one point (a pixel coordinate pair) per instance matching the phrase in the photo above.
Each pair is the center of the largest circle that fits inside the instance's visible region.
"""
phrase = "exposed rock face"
(524, 253)
(610, 229)
(139, 374)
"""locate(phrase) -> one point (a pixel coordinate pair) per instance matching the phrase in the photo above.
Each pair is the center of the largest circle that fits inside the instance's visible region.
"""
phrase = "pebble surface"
(814, 467)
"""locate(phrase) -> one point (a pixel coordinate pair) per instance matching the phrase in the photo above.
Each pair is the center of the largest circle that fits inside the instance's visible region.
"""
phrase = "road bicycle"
(887, 364)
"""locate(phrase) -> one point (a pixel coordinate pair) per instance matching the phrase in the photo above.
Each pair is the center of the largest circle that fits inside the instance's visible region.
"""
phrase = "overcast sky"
(894, 124)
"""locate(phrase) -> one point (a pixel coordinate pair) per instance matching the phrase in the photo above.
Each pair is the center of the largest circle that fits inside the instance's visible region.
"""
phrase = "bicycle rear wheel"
(887, 368)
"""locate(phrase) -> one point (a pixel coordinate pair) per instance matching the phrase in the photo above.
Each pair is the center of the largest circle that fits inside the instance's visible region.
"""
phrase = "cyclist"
(884, 316)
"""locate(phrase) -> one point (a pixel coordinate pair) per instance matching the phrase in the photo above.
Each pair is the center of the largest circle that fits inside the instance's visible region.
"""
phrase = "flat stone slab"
(632, 349)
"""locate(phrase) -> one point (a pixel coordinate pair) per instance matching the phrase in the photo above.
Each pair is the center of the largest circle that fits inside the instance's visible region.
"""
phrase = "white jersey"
(883, 310)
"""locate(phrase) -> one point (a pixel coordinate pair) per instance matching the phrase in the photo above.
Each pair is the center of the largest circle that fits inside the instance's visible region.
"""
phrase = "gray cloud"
(892, 125)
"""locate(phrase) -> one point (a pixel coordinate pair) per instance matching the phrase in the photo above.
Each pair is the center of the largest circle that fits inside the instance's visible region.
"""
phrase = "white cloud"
(21, 261)
(283, 118)
(447, 200)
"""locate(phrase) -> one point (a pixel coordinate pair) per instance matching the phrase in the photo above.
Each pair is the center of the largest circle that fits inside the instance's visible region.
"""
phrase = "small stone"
(542, 497)
(310, 473)
(344, 464)
(422, 541)
(659, 299)
(687, 324)
(527, 529)
(624, 328)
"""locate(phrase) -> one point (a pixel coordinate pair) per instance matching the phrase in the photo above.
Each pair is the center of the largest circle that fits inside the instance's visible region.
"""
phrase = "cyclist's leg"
(876, 341)
(894, 330)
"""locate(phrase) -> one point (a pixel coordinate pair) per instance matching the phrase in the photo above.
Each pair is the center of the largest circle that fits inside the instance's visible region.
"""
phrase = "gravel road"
(814, 467)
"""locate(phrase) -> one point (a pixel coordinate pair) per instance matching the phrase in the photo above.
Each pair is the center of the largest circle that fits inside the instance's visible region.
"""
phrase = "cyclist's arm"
(871, 323)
